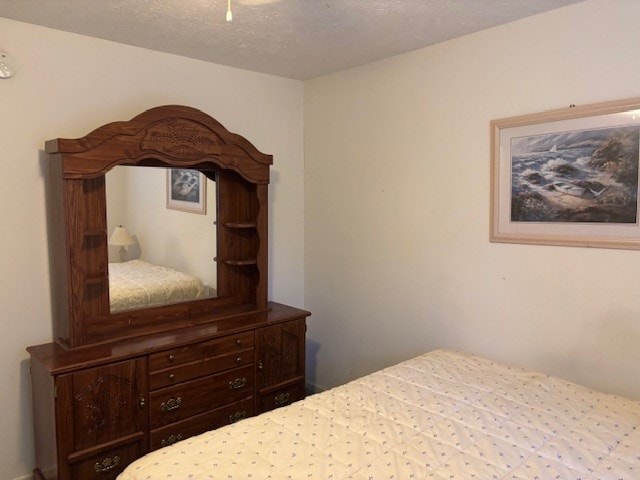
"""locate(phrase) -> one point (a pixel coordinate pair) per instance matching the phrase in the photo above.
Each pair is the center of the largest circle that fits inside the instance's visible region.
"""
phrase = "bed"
(138, 284)
(443, 415)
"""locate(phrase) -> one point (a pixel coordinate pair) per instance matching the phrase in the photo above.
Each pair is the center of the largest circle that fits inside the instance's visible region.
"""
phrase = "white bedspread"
(442, 416)
(137, 284)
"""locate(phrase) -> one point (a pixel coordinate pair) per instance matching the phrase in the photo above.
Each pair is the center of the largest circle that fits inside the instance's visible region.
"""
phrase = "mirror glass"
(162, 236)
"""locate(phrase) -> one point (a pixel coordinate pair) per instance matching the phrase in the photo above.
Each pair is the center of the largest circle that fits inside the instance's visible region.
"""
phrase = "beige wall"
(65, 86)
(397, 257)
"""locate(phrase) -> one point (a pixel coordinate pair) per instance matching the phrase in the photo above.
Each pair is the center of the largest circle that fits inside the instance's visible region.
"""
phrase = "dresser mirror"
(116, 176)
(167, 255)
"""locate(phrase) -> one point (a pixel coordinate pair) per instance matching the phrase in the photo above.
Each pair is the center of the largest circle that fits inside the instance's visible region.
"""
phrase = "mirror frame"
(166, 136)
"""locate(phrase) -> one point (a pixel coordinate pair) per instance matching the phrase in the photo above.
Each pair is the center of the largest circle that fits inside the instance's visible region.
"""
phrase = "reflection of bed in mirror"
(139, 284)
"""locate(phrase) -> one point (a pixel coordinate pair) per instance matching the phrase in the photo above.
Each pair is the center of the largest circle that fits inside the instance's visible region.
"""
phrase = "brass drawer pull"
(282, 399)
(171, 439)
(239, 415)
(107, 464)
(237, 383)
(171, 404)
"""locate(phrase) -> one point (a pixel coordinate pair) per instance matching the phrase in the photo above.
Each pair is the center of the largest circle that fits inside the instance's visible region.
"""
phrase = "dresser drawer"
(282, 397)
(199, 368)
(189, 427)
(171, 404)
(211, 348)
(106, 465)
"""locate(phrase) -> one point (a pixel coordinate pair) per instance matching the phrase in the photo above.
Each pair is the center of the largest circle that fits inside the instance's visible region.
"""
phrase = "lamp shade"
(120, 237)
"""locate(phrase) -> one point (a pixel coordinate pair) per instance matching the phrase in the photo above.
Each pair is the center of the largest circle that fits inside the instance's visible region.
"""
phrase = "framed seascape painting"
(567, 177)
(186, 190)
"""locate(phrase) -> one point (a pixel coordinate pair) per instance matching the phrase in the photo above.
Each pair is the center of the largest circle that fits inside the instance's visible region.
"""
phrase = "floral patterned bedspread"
(443, 415)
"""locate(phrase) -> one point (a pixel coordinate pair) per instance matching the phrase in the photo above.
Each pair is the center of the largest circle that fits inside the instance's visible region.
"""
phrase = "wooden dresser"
(117, 382)
(98, 409)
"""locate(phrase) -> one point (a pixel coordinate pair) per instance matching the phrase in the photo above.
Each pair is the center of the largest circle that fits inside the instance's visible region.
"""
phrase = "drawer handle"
(107, 464)
(238, 341)
(172, 376)
(171, 439)
(238, 359)
(171, 404)
(171, 358)
(237, 383)
(239, 415)
(282, 399)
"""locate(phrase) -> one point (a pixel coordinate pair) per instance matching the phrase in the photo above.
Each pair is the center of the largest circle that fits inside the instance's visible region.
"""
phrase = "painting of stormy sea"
(587, 176)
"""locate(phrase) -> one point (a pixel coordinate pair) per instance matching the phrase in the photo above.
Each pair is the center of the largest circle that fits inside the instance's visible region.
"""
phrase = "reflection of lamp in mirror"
(121, 238)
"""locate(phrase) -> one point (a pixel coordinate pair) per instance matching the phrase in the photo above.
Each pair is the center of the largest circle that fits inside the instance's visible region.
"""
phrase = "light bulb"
(229, 14)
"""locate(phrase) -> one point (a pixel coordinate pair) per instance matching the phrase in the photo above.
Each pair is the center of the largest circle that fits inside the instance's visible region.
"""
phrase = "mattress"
(138, 284)
(443, 416)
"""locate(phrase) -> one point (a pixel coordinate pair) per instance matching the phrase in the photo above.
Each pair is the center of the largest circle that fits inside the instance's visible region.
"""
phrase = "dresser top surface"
(59, 360)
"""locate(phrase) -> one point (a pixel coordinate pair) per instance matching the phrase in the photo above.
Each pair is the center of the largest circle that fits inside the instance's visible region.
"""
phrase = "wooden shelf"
(95, 233)
(95, 279)
(240, 263)
(240, 225)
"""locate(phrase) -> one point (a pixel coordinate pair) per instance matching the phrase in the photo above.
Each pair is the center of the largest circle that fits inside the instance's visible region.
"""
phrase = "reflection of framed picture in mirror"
(186, 190)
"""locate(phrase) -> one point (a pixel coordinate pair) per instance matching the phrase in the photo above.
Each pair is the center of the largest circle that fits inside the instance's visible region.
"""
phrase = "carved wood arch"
(175, 135)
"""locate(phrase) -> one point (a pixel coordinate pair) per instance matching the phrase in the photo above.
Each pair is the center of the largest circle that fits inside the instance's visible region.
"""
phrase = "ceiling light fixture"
(252, 3)
(257, 2)
(229, 14)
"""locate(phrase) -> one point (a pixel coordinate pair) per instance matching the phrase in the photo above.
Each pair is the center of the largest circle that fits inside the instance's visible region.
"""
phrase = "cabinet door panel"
(105, 402)
(280, 352)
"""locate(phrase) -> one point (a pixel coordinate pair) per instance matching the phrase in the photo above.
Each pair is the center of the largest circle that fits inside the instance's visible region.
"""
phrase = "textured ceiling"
(298, 39)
